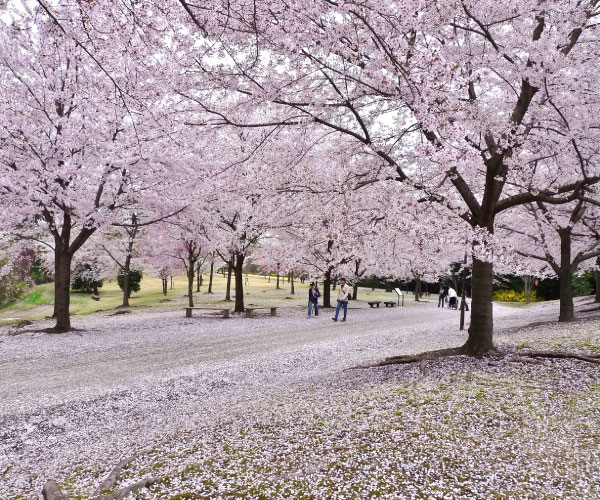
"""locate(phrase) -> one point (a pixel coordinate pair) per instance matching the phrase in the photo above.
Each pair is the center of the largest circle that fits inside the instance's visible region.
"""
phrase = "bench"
(389, 303)
(250, 311)
(223, 311)
(374, 302)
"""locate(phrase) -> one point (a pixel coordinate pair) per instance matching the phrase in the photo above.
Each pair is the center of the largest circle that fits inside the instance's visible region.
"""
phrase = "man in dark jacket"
(313, 299)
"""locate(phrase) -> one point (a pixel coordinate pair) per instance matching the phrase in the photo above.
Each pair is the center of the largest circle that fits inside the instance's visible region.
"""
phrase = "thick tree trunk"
(327, 289)
(210, 279)
(567, 309)
(277, 287)
(62, 285)
(481, 330)
(293, 290)
(228, 290)
(239, 283)
(164, 286)
(355, 291)
(417, 288)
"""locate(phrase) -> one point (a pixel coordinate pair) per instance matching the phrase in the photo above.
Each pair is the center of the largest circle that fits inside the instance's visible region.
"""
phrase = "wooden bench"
(389, 303)
(250, 311)
(374, 302)
(223, 311)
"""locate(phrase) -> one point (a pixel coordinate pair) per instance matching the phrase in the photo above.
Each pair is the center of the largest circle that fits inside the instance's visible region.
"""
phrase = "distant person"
(452, 298)
(342, 300)
(313, 299)
(443, 296)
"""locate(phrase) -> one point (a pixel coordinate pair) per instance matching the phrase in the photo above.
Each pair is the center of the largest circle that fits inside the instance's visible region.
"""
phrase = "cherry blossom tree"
(480, 107)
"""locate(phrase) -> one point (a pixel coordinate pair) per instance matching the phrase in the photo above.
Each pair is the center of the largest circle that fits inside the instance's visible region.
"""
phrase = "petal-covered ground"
(276, 408)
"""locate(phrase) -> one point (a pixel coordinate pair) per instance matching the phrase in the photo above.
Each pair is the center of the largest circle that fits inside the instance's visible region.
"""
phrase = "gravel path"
(121, 383)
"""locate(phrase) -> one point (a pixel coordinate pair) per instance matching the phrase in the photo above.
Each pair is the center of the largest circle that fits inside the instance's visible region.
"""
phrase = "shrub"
(513, 296)
(86, 278)
(135, 276)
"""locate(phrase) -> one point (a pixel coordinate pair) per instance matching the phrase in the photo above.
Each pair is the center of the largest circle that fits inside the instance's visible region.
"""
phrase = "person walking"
(442, 296)
(342, 300)
(313, 299)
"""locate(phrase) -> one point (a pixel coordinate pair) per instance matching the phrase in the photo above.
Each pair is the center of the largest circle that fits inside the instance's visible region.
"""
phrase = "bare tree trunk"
(191, 272)
(327, 289)
(567, 309)
(62, 285)
(277, 287)
(481, 329)
(355, 291)
(228, 290)
(239, 283)
(164, 285)
(210, 279)
(292, 282)
(417, 288)
(198, 278)
(597, 280)
(126, 292)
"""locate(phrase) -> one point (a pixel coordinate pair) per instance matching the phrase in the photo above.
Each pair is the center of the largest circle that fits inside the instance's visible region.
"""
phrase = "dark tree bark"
(567, 309)
(355, 291)
(597, 280)
(239, 282)
(293, 289)
(62, 285)
(327, 289)
(481, 329)
(126, 292)
(417, 288)
(228, 290)
(191, 271)
(198, 278)
(277, 286)
(210, 279)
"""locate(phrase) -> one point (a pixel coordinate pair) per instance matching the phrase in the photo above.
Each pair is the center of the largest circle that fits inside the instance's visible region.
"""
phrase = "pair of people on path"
(342, 300)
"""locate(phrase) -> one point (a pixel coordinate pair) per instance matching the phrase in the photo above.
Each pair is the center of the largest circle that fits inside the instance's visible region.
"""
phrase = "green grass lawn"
(38, 302)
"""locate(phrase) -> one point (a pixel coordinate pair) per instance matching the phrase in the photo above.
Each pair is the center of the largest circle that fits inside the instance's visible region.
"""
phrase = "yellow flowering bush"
(512, 296)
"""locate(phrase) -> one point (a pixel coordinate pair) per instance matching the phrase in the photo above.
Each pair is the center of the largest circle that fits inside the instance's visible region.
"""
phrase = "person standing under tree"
(443, 295)
(313, 299)
(342, 300)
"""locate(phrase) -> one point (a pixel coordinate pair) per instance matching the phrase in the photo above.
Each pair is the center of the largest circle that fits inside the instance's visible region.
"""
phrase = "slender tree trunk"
(190, 276)
(210, 278)
(164, 286)
(327, 289)
(228, 290)
(62, 284)
(597, 280)
(567, 309)
(277, 287)
(481, 329)
(355, 291)
(198, 278)
(126, 292)
(292, 282)
(239, 283)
